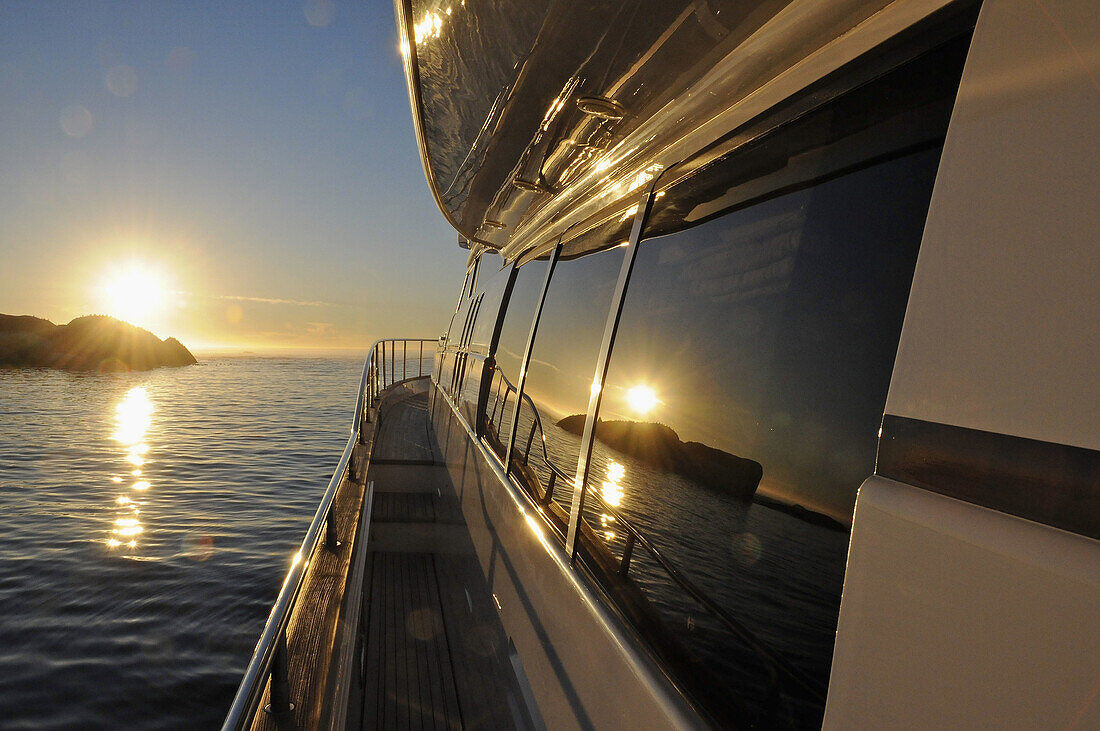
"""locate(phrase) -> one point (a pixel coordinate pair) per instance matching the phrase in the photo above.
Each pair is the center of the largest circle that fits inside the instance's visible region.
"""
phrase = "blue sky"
(256, 160)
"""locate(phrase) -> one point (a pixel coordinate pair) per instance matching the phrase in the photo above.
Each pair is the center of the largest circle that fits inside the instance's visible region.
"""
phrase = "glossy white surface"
(1002, 329)
(956, 616)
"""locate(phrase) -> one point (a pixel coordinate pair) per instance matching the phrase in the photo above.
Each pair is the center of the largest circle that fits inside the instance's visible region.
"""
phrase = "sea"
(146, 523)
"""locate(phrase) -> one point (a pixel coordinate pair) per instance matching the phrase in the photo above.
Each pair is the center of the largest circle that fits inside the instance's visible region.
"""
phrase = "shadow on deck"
(432, 652)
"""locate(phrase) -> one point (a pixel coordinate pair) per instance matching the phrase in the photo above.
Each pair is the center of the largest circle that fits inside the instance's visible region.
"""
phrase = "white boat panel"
(1002, 333)
(956, 616)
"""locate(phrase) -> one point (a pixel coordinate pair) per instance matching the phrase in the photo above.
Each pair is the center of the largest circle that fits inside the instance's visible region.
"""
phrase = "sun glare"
(135, 294)
(641, 398)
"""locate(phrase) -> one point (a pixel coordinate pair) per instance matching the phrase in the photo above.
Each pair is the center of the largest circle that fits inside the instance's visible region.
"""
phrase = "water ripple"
(236, 455)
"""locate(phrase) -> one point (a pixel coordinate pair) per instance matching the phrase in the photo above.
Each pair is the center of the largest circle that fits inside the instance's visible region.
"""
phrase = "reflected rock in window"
(659, 447)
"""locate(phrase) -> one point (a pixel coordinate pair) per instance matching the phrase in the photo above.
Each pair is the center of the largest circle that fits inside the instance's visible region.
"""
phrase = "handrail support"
(332, 542)
(280, 680)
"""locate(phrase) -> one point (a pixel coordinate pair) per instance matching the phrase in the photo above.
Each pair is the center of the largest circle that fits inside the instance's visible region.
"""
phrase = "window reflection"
(509, 354)
(492, 282)
(741, 411)
(559, 376)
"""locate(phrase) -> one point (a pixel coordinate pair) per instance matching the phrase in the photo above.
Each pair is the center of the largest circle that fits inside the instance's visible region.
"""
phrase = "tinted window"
(491, 282)
(520, 309)
(559, 376)
(741, 411)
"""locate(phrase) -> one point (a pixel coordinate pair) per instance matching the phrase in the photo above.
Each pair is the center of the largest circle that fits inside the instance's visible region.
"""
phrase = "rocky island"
(90, 343)
(658, 446)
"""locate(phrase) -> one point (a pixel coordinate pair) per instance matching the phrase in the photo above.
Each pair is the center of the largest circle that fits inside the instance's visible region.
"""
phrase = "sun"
(134, 293)
(642, 398)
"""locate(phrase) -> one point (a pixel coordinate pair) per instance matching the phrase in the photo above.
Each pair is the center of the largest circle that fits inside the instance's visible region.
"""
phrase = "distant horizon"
(247, 190)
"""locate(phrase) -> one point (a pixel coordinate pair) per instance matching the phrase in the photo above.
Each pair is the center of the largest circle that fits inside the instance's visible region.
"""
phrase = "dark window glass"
(559, 376)
(492, 281)
(749, 373)
(456, 340)
(740, 415)
(520, 310)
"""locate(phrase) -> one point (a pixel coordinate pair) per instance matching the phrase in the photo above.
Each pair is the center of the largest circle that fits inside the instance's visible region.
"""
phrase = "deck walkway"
(435, 655)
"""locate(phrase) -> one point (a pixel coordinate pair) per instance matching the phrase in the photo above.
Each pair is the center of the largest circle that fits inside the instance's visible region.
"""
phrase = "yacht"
(769, 398)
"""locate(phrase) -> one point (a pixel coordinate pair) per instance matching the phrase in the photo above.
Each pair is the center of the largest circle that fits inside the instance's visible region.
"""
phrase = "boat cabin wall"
(685, 411)
(663, 433)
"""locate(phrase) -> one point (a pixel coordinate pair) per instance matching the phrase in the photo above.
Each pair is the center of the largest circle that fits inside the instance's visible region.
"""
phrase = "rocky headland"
(90, 343)
(659, 447)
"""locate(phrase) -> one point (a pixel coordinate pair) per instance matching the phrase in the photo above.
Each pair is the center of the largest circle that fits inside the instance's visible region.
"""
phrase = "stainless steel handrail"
(269, 659)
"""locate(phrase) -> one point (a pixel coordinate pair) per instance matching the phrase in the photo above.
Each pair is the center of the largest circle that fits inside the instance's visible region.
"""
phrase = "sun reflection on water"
(612, 487)
(133, 417)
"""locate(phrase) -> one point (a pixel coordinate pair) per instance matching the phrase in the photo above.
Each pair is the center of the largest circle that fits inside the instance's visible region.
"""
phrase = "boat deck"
(434, 652)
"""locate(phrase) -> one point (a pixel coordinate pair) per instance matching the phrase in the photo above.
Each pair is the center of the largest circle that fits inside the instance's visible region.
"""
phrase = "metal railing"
(778, 666)
(270, 658)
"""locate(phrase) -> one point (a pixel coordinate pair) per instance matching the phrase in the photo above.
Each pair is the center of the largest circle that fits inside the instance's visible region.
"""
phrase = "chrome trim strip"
(1054, 484)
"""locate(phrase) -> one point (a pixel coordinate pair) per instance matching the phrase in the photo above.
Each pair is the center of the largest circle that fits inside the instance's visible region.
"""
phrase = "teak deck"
(431, 652)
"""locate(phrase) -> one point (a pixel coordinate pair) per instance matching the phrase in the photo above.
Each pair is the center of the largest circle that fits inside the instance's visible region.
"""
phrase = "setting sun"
(134, 293)
(642, 398)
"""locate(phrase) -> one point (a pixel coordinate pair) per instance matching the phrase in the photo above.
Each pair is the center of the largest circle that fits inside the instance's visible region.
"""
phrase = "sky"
(236, 175)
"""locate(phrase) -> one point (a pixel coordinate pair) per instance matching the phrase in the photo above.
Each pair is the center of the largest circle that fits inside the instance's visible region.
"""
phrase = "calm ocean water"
(146, 522)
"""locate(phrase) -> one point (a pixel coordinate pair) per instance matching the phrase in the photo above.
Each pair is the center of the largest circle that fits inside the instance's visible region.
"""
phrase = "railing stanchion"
(420, 362)
(280, 680)
(628, 551)
(530, 439)
(332, 541)
(404, 360)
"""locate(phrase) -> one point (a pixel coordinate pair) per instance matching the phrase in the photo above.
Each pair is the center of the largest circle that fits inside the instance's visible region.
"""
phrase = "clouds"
(270, 300)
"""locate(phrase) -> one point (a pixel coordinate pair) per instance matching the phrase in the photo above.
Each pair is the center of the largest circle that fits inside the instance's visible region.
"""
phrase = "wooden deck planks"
(433, 659)
(481, 667)
(409, 683)
(404, 432)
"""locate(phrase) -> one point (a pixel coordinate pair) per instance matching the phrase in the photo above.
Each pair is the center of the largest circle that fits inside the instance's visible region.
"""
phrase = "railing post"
(503, 406)
(280, 680)
(628, 551)
(404, 360)
(332, 541)
(550, 488)
(420, 362)
(530, 438)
